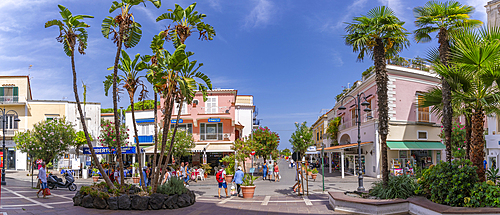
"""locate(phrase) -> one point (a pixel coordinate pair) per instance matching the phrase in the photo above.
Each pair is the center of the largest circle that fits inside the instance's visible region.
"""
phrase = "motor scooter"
(55, 182)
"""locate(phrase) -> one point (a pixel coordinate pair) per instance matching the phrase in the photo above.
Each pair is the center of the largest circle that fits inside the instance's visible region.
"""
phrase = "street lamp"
(4, 120)
(358, 103)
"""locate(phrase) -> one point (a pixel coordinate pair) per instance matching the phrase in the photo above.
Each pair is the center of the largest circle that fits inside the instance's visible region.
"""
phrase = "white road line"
(57, 203)
(225, 200)
(307, 201)
(61, 196)
(31, 200)
(266, 200)
(12, 197)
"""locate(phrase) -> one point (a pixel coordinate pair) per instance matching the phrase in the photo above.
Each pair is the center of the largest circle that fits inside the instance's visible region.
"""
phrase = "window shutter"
(202, 131)
(1, 95)
(16, 91)
(219, 130)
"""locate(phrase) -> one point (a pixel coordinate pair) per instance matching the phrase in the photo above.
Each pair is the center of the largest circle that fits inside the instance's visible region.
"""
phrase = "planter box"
(313, 176)
(229, 178)
(248, 191)
(95, 178)
(136, 180)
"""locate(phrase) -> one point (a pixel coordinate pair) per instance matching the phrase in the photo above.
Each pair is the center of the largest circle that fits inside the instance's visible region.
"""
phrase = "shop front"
(405, 156)
(211, 153)
(10, 154)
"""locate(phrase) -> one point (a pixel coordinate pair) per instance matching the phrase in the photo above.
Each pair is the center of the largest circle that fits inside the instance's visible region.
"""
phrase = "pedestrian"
(117, 174)
(182, 173)
(186, 174)
(221, 179)
(167, 176)
(238, 179)
(42, 176)
(148, 173)
(298, 178)
(264, 170)
(276, 172)
(291, 162)
(178, 172)
(271, 170)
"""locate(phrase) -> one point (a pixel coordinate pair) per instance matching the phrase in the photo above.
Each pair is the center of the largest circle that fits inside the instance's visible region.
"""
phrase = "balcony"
(9, 99)
(215, 136)
(423, 116)
(8, 132)
(144, 139)
(215, 110)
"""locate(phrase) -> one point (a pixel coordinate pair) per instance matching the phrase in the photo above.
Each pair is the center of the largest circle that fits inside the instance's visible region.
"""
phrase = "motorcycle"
(55, 182)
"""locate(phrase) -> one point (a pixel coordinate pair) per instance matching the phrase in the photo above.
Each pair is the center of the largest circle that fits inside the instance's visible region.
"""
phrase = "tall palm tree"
(129, 34)
(72, 34)
(474, 71)
(132, 82)
(444, 18)
(381, 35)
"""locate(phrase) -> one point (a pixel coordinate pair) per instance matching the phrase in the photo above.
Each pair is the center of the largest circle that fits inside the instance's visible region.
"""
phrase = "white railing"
(8, 132)
(216, 136)
(9, 99)
(215, 110)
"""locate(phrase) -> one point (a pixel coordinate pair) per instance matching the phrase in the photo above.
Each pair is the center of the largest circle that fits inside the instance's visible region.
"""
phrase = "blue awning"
(145, 120)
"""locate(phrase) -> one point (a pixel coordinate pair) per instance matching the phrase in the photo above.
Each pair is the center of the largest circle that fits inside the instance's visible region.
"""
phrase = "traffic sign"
(252, 153)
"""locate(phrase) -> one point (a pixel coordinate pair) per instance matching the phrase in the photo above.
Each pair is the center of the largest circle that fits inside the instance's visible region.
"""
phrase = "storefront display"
(402, 166)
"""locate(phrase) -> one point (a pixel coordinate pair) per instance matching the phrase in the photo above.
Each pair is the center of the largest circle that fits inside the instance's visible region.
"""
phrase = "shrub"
(401, 187)
(314, 171)
(173, 186)
(447, 183)
(85, 190)
(249, 179)
(484, 195)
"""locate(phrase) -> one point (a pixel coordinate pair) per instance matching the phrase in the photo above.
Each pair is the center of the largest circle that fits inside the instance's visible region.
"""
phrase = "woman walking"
(264, 170)
(276, 172)
(42, 176)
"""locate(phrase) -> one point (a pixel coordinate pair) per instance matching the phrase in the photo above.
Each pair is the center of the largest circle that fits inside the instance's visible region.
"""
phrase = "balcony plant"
(248, 187)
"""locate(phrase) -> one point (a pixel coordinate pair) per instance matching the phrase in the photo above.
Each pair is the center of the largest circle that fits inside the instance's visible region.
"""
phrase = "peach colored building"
(413, 132)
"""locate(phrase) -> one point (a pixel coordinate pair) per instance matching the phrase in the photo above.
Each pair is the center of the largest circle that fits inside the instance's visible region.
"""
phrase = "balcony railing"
(214, 110)
(423, 116)
(9, 99)
(8, 132)
(216, 136)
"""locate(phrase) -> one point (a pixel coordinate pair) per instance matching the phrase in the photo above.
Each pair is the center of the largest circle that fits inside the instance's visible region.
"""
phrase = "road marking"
(57, 203)
(31, 200)
(266, 200)
(61, 196)
(14, 197)
(225, 200)
(307, 201)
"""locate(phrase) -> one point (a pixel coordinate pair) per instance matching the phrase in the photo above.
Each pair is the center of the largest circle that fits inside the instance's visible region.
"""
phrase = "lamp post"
(323, 165)
(4, 114)
(357, 101)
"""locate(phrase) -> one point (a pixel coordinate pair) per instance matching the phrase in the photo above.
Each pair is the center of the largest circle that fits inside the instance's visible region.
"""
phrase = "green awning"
(408, 145)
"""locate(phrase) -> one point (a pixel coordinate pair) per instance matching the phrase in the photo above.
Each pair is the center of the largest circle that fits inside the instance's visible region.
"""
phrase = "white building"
(245, 114)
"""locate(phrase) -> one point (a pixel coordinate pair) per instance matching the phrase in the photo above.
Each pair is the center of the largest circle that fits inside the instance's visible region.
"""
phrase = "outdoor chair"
(201, 174)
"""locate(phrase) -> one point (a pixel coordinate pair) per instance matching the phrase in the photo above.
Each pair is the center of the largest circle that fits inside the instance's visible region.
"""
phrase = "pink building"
(214, 123)
(413, 132)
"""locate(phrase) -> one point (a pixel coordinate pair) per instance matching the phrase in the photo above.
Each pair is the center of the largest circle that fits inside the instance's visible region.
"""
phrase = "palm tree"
(444, 18)
(72, 33)
(128, 34)
(381, 35)
(474, 72)
(132, 82)
(186, 21)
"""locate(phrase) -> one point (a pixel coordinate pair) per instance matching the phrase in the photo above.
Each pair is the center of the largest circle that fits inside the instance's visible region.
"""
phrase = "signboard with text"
(105, 150)
(175, 120)
(214, 120)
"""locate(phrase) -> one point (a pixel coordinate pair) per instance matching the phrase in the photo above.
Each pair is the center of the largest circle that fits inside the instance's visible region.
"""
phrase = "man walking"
(271, 170)
(221, 179)
(42, 176)
(238, 179)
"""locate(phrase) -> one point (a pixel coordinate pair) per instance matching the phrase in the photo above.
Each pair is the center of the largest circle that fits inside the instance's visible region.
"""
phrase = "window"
(184, 108)
(211, 105)
(369, 106)
(321, 135)
(422, 112)
(144, 129)
(354, 116)
(210, 131)
(183, 127)
(10, 123)
(9, 94)
(317, 136)
(422, 135)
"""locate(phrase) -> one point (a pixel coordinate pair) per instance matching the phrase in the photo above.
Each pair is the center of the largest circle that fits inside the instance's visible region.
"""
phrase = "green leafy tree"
(243, 147)
(301, 138)
(333, 129)
(183, 143)
(444, 18)
(458, 141)
(126, 32)
(265, 142)
(143, 105)
(72, 34)
(107, 137)
(286, 152)
(80, 140)
(47, 140)
(381, 35)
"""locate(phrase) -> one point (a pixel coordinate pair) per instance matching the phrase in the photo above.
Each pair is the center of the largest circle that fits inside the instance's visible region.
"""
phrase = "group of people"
(220, 176)
(270, 170)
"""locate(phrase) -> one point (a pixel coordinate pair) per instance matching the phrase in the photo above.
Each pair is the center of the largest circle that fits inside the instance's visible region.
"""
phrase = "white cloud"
(333, 24)
(215, 4)
(337, 59)
(480, 12)
(398, 8)
(260, 15)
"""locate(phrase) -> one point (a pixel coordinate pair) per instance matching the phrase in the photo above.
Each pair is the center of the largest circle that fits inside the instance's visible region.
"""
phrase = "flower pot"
(313, 176)
(248, 191)
(205, 175)
(309, 173)
(136, 180)
(229, 178)
(95, 178)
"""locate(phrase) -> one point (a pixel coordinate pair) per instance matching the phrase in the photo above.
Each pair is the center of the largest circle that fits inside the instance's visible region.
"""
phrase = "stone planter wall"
(156, 201)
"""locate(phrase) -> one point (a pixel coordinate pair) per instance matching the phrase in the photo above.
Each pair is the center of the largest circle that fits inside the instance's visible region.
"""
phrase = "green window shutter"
(202, 131)
(15, 94)
(1, 94)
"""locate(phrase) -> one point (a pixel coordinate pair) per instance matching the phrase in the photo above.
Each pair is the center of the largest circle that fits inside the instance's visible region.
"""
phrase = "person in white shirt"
(42, 176)
(222, 176)
(116, 174)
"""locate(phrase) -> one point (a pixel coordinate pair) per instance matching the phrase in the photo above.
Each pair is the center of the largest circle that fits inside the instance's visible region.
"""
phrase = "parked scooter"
(55, 182)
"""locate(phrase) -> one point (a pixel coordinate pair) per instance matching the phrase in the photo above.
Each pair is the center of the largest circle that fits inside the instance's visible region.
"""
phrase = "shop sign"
(175, 120)
(105, 150)
(214, 120)
(311, 148)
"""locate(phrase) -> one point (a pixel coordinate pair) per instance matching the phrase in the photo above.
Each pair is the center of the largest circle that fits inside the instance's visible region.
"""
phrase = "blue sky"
(289, 55)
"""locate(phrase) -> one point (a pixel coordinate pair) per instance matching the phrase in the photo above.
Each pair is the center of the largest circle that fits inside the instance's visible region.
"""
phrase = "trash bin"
(85, 173)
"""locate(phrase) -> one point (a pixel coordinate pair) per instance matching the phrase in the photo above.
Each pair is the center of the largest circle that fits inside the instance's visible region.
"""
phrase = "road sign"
(252, 170)
(252, 153)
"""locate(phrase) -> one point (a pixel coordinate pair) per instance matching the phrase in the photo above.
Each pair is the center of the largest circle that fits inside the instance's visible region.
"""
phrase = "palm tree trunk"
(115, 101)
(478, 142)
(82, 120)
(468, 134)
(173, 138)
(447, 119)
(383, 112)
(166, 122)
(155, 110)
(137, 147)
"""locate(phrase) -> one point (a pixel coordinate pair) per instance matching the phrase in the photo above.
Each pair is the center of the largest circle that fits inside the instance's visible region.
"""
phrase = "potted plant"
(229, 160)
(206, 169)
(314, 173)
(248, 187)
(95, 174)
(136, 178)
(309, 171)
